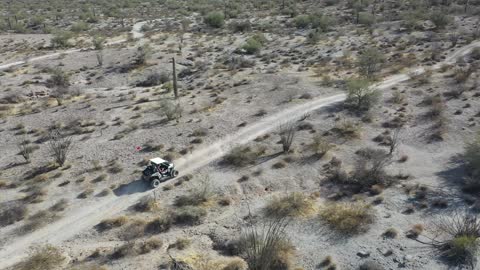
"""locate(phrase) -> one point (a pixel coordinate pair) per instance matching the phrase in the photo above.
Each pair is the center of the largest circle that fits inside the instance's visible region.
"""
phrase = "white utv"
(157, 171)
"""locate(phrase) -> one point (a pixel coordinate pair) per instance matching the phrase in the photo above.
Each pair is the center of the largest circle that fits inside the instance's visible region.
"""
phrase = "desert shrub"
(58, 78)
(241, 26)
(320, 146)
(144, 53)
(214, 19)
(472, 158)
(38, 220)
(197, 196)
(149, 245)
(60, 39)
(302, 21)
(440, 18)
(236, 264)
(366, 18)
(267, 248)
(182, 243)
(254, 44)
(111, 223)
(173, 111)
(241, 156)
(349, 218)
(370, 62)
(125, 250)
(390, 233)
(457, 238)
(347, 129)
(361, 96)
(12, 212)
(292, 205)
(370, 166)
(79, 27)
(287, 133)
(98, 42)
(59, 206)
(146, 204)
(47, 257)
(189, 215)
(60, 145)
(159, 225)
(154, 79)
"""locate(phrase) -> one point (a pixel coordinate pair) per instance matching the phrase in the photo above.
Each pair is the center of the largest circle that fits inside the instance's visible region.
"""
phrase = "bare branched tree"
(395, 140)
(60, 145)
(287, 134)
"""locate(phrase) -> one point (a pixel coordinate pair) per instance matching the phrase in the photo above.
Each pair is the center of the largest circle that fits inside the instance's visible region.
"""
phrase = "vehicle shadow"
(137, 186)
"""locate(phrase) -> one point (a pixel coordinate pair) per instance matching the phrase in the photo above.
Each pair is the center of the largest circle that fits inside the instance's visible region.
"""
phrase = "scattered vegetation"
(348, 218)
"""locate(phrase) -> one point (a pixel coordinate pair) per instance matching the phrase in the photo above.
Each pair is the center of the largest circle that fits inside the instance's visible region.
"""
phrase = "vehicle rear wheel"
(155, 183)
(174, 173)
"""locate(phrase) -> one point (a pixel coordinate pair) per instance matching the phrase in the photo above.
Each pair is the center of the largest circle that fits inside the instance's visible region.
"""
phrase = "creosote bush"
(349, 218)
(214, 19)
(241, 156)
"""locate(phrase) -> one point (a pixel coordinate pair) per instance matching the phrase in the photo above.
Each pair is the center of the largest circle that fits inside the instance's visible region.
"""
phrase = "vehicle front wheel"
(155, 183)
(174, 173)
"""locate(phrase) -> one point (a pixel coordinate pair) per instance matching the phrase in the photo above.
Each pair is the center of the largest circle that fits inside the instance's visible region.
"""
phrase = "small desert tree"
(370, 62)
(59, 145)
(287, 134)
(361, 96)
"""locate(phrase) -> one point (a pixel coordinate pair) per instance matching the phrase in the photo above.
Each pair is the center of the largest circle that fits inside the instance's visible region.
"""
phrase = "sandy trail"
(87, 216)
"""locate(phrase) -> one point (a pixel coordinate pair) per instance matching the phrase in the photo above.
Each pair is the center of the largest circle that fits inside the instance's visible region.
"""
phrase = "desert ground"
(307, 134)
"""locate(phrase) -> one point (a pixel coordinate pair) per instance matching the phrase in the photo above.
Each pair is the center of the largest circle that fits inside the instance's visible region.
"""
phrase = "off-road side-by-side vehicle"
(157, 171)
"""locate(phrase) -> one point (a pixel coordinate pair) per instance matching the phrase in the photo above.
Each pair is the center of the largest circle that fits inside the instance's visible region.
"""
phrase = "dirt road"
(86, 216)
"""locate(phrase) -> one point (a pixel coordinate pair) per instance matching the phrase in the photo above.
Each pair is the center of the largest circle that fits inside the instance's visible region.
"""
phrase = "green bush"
(60, 39)
(440, 18)
(215, 19)
(366, 18)
(302, 21)
(370, 62)
(360, 95)
(252, 46)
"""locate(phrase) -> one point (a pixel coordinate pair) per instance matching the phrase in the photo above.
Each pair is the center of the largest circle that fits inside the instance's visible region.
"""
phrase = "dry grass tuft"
(292, 205)
(47, 257)
(348, 218)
